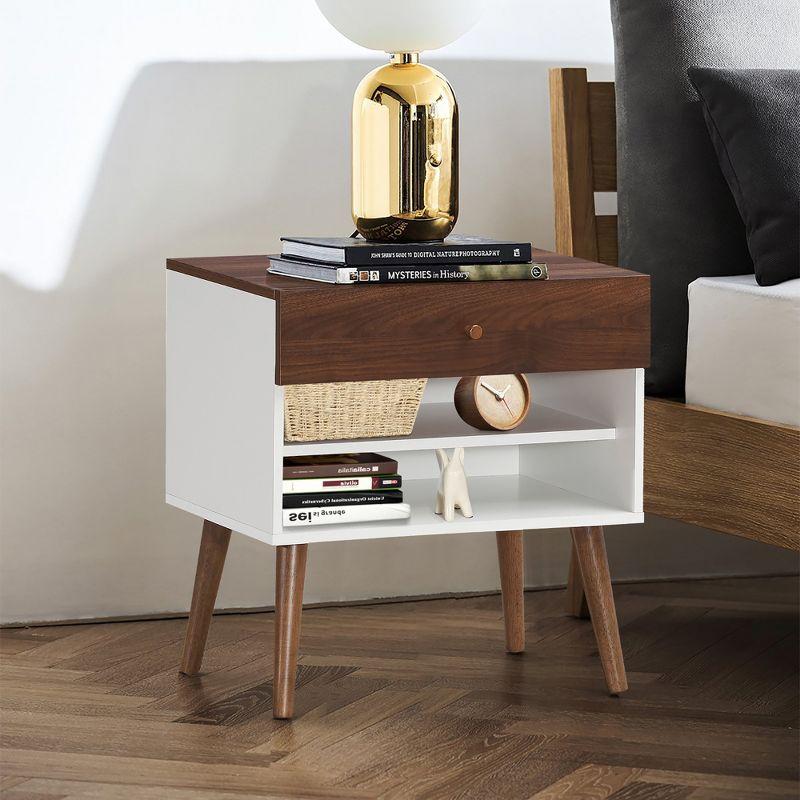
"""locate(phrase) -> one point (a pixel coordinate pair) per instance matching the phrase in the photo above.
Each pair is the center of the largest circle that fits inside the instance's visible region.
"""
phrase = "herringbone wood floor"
(418, 700)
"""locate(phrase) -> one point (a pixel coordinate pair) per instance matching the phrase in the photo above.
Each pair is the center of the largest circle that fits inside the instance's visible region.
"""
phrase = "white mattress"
(743, 351)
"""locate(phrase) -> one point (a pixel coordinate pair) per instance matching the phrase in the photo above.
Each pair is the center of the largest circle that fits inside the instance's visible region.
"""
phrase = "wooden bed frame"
(721, 471)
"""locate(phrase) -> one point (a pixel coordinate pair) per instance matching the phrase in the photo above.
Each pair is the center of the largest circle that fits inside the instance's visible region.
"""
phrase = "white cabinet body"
(576, 460)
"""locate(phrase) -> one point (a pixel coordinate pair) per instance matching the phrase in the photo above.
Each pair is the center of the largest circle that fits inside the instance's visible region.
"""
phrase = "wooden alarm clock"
(493, 402)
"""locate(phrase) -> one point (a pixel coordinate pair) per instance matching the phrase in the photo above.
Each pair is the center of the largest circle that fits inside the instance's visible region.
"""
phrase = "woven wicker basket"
(351, 410)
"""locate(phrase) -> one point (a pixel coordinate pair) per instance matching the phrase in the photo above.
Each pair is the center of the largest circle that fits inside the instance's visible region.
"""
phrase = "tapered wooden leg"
(576, 597)
(510, 554)
(290, 575)
(590, 549)
(210, 561)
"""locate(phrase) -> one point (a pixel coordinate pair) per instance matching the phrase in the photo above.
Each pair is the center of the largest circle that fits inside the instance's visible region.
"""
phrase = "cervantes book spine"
(455, 254)
(439, 274)
(318, 499)
(365, 484)
(345, 514)
(366, 469)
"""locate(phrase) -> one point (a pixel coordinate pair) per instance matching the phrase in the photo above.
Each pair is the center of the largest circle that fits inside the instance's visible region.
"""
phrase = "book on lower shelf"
(329, 515)
(341, 489)
(346, 465)
(320, 499)
(353, 484)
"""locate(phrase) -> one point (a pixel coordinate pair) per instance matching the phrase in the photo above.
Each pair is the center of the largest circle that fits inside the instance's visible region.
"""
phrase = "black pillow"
(753, 116)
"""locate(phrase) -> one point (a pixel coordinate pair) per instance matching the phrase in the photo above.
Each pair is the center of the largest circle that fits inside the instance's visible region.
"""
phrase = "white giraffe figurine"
(453, 492)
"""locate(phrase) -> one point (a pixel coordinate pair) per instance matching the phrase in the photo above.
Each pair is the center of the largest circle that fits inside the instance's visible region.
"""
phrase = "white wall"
(133, 131)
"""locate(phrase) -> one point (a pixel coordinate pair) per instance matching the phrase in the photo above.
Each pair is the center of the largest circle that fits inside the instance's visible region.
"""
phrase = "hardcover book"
(452, 250)
(364, 483)
(332, 466)
(328, 273)
(316, 499)
(328, 515)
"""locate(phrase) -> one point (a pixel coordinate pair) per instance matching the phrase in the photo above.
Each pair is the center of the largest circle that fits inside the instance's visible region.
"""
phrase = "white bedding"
(743, 351)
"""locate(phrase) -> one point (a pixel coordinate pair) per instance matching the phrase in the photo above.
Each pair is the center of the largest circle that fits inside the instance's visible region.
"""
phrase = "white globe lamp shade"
(403, 26)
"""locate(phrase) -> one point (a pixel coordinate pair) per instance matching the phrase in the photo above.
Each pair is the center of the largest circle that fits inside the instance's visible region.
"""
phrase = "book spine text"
(457, 254)
(344, 514)
(439, 274)
(318, 499)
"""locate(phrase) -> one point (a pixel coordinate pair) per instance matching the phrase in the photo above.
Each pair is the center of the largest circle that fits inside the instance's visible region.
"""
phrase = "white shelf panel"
(438, 425)
(509, 502)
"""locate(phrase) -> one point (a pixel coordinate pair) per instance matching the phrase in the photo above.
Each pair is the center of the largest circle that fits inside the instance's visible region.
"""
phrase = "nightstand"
(236, 335)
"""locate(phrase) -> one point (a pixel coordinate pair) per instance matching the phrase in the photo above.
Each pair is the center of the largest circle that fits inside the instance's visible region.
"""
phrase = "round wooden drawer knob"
(474, 331)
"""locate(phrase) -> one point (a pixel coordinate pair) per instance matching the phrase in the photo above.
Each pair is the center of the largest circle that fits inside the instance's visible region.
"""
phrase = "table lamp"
(405, 117)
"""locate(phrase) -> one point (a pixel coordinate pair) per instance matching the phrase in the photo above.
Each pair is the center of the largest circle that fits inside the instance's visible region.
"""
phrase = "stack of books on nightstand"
(328, 489)
(457, 258)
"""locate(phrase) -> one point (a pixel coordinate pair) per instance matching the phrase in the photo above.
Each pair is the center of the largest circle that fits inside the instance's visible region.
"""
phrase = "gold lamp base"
(405, 153)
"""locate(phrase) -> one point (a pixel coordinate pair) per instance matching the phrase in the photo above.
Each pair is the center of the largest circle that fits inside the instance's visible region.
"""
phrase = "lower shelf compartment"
(508, 502)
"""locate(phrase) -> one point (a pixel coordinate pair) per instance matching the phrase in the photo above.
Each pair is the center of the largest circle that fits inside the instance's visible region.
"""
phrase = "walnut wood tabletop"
(249, 274)
(585, 316)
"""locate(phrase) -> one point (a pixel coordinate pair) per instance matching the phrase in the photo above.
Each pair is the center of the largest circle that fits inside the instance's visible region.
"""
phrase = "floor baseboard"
(370, 601)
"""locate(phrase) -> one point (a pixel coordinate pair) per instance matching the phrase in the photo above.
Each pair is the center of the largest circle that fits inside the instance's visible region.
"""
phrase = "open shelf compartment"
(505, 502)
(576, 460)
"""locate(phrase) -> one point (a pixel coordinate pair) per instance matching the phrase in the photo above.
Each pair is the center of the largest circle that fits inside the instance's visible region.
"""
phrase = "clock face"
(502, 400)
(493, 402)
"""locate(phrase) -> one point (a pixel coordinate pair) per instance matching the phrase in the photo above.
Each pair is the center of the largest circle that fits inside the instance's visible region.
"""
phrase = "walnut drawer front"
(444, 330)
